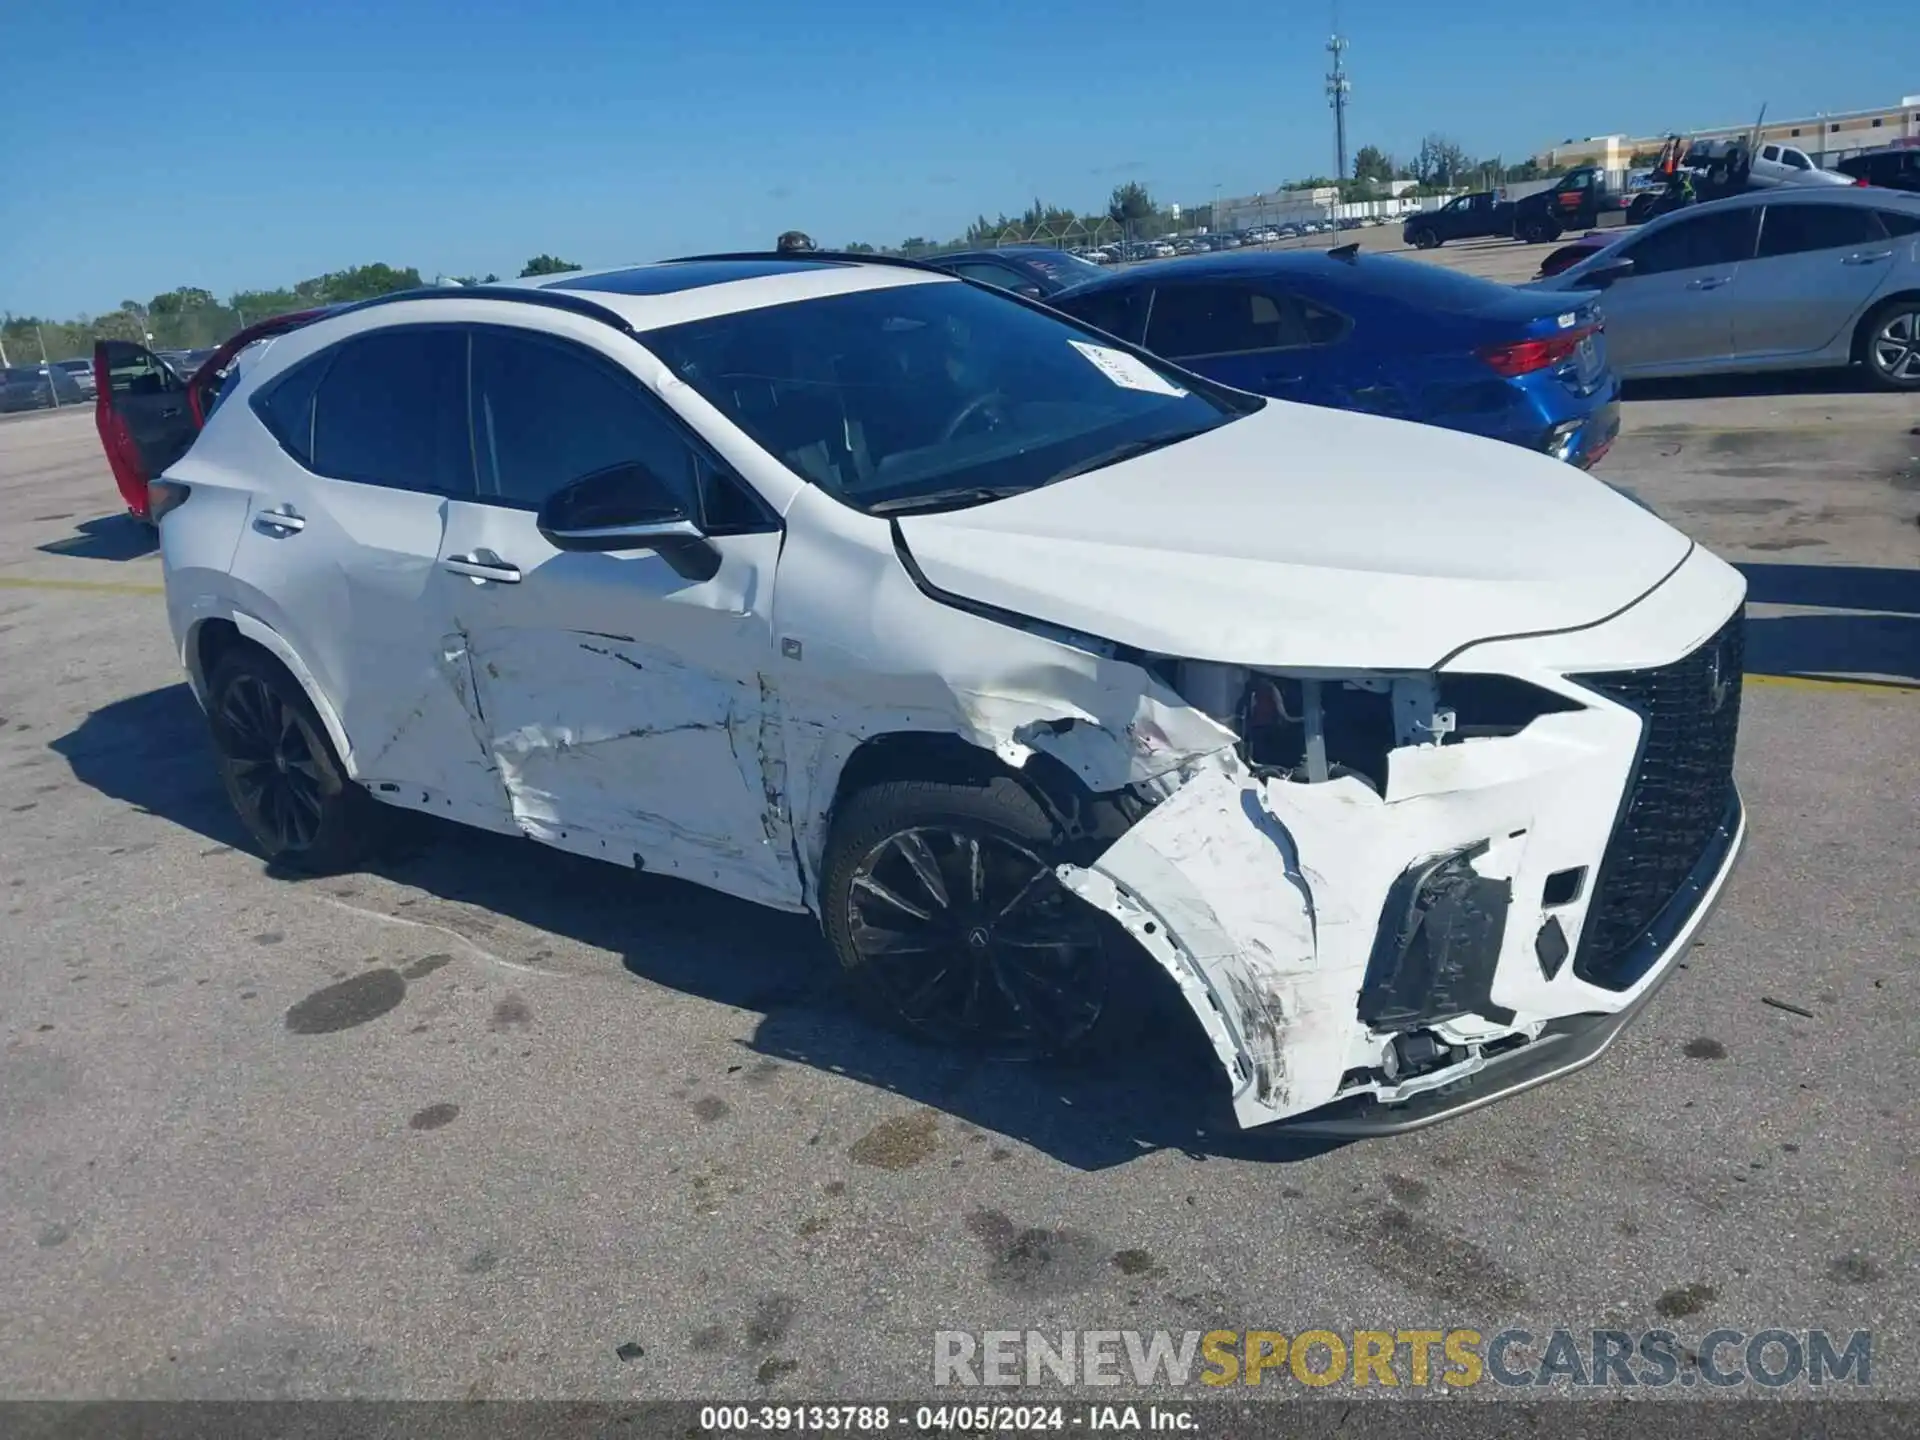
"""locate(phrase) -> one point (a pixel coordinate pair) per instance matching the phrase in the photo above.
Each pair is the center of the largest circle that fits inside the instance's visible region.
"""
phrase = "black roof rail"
(824, 257)
(568, 300)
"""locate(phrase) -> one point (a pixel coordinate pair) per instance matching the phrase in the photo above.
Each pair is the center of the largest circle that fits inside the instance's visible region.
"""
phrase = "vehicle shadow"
(109, 537)
(1832, 380)
(1885, 641)
(151, 751)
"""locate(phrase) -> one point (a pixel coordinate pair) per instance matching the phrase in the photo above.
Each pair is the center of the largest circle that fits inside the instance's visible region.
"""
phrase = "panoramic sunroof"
(680, 275)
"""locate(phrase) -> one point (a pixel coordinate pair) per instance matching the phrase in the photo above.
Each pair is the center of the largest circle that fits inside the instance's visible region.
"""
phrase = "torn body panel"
(619, 750)
(1341, 945)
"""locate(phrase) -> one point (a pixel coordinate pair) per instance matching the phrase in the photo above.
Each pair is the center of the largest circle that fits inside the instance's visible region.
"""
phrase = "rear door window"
(1796, 229)
(1900, 222)
(1227, 319)
(392, 410)
(1717, 237)
(138, 372)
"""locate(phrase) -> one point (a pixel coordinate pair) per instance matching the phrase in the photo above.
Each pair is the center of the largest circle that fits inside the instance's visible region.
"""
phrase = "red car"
(148, 416)
(1574, 251)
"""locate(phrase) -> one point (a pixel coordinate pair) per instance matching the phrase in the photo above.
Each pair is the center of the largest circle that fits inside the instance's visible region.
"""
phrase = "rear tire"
(1425, 240)
(1889, 344)
(940, 902)
(279, 768)
(1540, 232)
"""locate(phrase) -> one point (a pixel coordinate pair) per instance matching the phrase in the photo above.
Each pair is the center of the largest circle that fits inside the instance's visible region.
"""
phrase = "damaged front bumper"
(1564, 1045)
(1366, 964)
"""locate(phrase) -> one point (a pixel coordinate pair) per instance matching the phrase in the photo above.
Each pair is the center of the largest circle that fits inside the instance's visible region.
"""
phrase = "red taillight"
(1523, 357)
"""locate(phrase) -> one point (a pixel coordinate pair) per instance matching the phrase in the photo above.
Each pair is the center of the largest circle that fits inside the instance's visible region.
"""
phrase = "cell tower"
(1337, 88)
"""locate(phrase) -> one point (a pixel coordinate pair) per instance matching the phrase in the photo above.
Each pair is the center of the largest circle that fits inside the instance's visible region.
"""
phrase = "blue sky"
(240, 145)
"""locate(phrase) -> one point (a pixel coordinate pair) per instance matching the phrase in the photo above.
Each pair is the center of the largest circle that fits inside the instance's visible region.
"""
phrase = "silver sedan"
(1782, 279)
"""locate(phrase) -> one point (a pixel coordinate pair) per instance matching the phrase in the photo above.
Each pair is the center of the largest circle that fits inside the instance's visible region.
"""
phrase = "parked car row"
(1121, 252)
(1070, 688)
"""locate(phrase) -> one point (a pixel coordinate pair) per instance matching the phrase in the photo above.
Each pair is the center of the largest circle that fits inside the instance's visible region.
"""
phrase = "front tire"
(280, 770)
(941, 904)
(1890, 344)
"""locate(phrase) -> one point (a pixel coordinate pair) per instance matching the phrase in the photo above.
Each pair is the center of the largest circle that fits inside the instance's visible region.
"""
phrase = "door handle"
(1707, 282)
(1867, 258)
(482, 566)
(279, 522)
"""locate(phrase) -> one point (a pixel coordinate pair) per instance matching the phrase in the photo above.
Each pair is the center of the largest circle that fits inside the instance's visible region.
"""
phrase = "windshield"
(882, 396)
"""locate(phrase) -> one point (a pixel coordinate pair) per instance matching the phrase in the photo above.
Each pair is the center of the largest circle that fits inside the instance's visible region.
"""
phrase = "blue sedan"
(1370, 332)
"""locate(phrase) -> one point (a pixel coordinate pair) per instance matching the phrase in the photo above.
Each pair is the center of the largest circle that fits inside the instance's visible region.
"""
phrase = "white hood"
(1302, 537)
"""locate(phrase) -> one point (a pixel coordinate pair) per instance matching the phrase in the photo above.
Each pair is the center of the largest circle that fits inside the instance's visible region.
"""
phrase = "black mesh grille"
(1681, 787)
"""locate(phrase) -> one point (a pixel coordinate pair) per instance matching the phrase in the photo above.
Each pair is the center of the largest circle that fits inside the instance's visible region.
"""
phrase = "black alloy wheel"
(279, 767)
(972, 940)
(270, 760)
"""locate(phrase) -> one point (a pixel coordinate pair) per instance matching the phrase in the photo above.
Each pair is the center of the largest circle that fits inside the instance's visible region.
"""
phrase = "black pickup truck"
(1578, 200)
(1464, 216)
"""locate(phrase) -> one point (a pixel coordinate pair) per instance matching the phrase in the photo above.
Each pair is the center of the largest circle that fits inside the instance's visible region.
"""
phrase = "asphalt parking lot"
(488, 1121)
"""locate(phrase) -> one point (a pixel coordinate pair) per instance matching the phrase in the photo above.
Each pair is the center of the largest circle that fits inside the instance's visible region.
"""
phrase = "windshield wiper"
(1118, 453)
(957, 498)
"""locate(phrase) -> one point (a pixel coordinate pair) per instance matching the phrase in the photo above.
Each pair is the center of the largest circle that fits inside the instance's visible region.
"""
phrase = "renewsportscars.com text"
(1415, 1359)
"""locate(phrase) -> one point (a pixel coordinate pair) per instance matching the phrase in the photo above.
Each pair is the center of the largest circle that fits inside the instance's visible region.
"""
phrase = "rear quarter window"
(285, 406)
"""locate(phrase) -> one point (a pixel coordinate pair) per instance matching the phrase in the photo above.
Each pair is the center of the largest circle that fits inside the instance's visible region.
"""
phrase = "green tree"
(1374, 164)
(547, 265)
(1130, 204)
(176, 302)
(859, 247)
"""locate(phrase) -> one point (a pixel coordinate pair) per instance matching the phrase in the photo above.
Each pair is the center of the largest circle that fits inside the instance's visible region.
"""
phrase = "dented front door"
(621, 704)
(620, 701)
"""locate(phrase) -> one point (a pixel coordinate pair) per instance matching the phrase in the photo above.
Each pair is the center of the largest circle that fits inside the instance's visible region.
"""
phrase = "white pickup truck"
(1785, 165)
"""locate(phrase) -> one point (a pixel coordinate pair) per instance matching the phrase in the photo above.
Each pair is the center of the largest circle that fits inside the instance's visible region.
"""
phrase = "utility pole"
(1337, 88)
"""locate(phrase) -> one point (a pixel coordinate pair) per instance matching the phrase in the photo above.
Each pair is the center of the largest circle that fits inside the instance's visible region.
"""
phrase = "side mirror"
(628, 507)
(1602, 276)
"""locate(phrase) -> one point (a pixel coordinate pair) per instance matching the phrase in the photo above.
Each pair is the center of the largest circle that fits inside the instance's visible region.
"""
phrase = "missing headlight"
(1486, 706)
(1314, 730)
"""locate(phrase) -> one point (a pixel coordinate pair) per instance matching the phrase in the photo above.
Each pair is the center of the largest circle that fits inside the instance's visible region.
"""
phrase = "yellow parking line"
(1815, 682)
(104, 587)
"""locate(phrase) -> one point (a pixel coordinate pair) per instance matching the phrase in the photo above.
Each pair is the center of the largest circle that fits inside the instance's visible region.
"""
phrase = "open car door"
(140, 408)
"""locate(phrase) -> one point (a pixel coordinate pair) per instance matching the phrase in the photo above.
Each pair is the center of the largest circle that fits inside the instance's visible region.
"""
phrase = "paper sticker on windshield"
(1125, 371)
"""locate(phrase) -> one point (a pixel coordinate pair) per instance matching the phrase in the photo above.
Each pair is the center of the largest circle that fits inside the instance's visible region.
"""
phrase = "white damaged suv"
(1027, 662)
